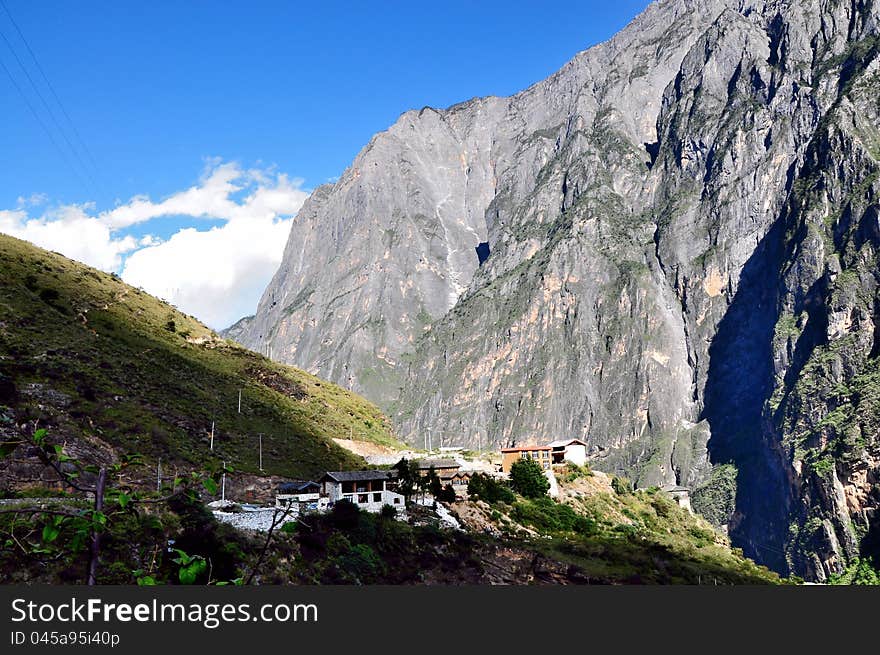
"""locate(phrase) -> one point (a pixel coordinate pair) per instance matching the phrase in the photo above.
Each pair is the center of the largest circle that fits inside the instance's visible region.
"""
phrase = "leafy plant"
(527, 478)
(191, 566)
(487, 488)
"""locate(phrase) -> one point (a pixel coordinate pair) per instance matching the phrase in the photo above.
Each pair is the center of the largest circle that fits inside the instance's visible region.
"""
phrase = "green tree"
(447, 494)
(432, 483)
(407, 477)
(527, 478)
(488, 489)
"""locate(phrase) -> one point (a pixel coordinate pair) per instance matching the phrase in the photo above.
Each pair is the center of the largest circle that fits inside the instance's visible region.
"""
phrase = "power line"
(42, 123)
(46, 105)
(76, 133)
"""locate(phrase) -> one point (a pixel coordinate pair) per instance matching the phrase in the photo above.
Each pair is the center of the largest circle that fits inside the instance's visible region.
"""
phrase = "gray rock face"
(238, 330)
(681, 226)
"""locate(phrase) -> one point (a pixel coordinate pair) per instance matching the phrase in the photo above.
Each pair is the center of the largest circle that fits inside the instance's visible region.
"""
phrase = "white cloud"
(33, 200)
(72, 232)
(212, 198)
(216, 274)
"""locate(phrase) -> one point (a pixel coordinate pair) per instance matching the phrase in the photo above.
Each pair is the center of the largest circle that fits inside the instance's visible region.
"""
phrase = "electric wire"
(36, 89)
(42, 123)
(51, 87)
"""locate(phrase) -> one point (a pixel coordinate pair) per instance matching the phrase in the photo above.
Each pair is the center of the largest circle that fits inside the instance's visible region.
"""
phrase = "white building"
(369, 490)
(569, 450)
(300, 496)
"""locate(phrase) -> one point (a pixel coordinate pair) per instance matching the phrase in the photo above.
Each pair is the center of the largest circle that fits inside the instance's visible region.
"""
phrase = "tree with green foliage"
(528, 479)
(408, 477)
(861, 572)
(432, 483)
(447, 494)
(486, 488)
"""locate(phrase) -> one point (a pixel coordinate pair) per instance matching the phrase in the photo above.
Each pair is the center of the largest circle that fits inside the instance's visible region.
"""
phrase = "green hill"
(108, 367)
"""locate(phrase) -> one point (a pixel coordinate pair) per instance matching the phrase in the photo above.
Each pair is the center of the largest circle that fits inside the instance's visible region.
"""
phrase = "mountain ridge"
(665, 245)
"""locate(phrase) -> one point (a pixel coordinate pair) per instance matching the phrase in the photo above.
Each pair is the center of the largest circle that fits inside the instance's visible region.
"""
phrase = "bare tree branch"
(276, 520)
(96, 533)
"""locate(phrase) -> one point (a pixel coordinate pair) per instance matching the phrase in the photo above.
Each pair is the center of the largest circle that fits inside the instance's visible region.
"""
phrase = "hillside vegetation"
(112, 369)
(607, 533)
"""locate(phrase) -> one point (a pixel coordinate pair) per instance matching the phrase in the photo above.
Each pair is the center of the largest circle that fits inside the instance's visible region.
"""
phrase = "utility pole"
(223, 484)
(159, 475)
(261, 452)
(212, 436)
(239, 401)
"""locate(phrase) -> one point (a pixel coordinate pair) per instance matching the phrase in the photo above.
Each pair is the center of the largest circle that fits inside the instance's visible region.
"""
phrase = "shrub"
(573, 472)
(345, 515)
(388, 511)
(548, 516)
(49, 296)
(361, 562)
(487, 488)
(447, 494)
(621, 486)
(527, 477)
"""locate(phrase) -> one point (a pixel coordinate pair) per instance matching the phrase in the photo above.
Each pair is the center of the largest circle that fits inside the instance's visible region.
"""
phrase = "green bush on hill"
(527, 478)
(486, 488)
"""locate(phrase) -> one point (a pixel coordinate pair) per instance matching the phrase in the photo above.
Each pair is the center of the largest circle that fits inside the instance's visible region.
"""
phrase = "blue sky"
(257, 101)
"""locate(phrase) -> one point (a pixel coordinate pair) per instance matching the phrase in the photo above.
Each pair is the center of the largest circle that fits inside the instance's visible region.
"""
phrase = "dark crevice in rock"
(739, 380)
(653, 149)
(482, 252)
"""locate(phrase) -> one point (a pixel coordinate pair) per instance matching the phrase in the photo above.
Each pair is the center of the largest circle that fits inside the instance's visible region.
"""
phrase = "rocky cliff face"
(681, 228)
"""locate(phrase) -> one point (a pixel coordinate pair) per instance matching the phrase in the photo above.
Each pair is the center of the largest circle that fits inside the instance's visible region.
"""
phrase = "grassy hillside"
(611, 534)
(105, 365)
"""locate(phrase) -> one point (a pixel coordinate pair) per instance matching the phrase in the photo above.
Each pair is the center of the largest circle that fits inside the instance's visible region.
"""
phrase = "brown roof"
(426, 464)
(520, 449)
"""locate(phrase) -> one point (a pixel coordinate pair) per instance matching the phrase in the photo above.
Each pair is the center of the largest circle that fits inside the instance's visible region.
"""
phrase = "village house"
(459, 482)
(303, 495)
(445, 468)
(540, 454)
(449, 472)
(369, 490)
(569, 450)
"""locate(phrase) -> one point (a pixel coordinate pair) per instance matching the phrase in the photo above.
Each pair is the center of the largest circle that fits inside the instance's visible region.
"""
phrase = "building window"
(362, 498)
(377, 498)
(397, 501)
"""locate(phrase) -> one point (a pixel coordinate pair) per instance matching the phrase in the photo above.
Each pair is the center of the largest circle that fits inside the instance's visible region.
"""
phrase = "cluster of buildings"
(373, 489)
(369, 490)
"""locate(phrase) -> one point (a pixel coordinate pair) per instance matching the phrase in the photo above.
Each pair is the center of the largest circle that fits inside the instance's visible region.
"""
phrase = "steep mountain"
(668, 249)
(238, 329)
(108, 369)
